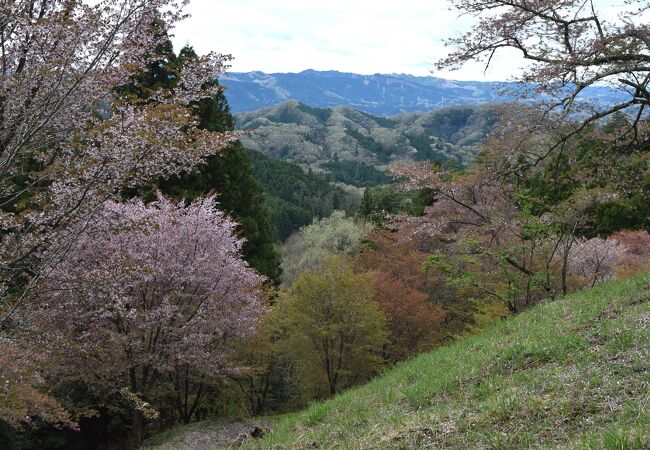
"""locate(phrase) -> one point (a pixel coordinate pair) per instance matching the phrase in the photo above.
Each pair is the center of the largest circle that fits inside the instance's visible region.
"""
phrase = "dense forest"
(160, 267)
(294, 198)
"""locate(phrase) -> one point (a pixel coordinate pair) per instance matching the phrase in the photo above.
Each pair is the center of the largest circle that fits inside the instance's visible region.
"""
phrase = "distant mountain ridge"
(378, 94)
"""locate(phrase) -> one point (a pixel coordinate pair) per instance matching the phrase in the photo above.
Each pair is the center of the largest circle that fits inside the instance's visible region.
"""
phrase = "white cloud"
(347, 35)
(362, 36)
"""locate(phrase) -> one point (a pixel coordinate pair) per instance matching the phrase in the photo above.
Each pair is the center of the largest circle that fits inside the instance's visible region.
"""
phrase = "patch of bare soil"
(212, 435)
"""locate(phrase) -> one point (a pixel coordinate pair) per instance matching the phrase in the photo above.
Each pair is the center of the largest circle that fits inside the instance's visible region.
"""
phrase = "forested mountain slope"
(293, 197)
(572, 373)
(354, 146)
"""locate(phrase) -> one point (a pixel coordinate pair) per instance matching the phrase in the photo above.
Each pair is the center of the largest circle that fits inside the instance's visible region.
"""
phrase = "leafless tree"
(572, 46)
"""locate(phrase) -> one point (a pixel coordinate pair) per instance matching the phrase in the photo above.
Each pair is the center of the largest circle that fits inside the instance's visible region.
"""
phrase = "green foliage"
(488, 311)
(367, 204)
(389, 199)
(437, 261)
(447, 125)
(333, 328)
(532, 380)
(313, 244)
(629, 213)
(291, 115)
(368, 143)
(385, 122)
(355, 173)
(295, 198)
(266, 381)
(323, 114)
(427, 149)
(450, 133)
(159, 73)
(592, 163)
(228, 174)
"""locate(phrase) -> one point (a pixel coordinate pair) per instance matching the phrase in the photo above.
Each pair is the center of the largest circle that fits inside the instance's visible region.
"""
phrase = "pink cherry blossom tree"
(69, 140)
(594, 260)
(492, 246)
(150, 298)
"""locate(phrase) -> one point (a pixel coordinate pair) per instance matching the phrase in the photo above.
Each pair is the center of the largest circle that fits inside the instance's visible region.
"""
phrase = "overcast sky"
(361, 36)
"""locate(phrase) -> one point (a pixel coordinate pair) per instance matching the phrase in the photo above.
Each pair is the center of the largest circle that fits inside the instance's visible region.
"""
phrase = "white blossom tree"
(594, 260)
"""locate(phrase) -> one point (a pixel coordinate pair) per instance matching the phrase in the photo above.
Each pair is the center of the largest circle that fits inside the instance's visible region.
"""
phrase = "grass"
(569, 374)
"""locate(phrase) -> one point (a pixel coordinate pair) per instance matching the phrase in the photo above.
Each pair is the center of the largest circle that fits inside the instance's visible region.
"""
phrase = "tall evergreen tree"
(229, 173)
(366, 208)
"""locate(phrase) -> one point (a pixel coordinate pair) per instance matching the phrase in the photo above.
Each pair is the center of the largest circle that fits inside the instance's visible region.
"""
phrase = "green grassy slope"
(569, 374)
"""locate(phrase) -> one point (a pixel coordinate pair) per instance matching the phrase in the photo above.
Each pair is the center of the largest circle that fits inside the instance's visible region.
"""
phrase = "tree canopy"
(334, 328)
(152, 297)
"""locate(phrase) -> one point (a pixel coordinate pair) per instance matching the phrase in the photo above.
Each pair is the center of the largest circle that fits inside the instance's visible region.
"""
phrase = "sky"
(360, 36)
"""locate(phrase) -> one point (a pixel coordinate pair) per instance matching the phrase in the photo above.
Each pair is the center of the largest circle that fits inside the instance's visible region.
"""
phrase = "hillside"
(378, 94)
(354, 146)
(574, 373)
(293, 197)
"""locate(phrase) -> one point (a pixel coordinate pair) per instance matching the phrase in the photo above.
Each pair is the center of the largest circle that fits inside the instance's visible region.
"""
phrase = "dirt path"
(208, 435)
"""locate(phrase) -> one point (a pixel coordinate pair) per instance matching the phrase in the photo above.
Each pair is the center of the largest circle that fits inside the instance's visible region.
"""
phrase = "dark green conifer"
(366, 207)
(228, 174)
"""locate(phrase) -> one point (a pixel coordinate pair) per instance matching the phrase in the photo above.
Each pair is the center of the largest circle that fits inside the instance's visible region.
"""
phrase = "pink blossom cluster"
(68, 141)
(151, 288)
(595, 259)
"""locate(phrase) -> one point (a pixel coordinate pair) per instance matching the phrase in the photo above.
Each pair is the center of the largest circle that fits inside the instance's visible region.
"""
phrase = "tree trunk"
(137, 428)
